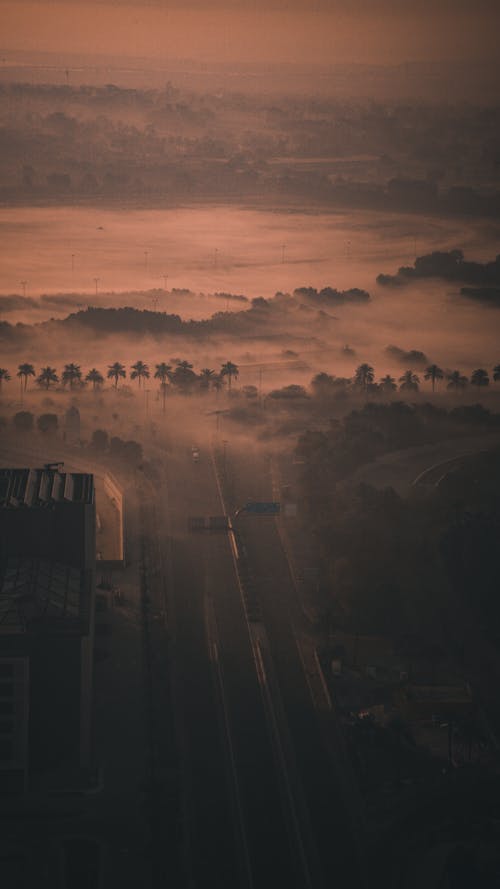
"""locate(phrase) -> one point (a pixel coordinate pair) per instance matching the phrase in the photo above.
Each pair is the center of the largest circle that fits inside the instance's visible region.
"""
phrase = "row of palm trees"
(182, 374)
(410, 382)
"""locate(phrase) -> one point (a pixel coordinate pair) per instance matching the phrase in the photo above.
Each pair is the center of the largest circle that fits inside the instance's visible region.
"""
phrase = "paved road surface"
(325, 782)
(239, 821)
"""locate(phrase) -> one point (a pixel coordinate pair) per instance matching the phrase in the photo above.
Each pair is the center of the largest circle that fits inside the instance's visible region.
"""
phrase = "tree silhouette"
(496, 373)
(4, 376)
(100, 440)
(95, 377)
(47, 423)
(363, 375)
(206, 378)
(480, 377)
(456, 380)
(23, 421)
(184, 376)
(322, 384)
(25, 371)
(140, 372)
(434, 374)
(229, 370)
(115, 372)
(163, 373)
(218, 384)
(71, 374)
(47, 376)
(409, 382)
(388, 383)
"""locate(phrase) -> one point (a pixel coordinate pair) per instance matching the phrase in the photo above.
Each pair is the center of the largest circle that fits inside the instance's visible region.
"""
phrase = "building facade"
(47, 602)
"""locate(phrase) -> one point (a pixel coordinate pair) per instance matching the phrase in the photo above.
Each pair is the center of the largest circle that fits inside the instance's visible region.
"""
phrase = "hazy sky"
(372, 31)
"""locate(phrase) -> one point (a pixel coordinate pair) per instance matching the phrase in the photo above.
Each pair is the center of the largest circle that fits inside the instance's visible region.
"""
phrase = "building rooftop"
(39, 594)
(44, 487)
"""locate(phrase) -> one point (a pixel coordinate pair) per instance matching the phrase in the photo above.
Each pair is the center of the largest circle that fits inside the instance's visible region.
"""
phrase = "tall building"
(47, 595)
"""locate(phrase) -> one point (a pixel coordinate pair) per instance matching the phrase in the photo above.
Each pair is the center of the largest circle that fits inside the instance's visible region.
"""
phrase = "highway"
(322, 773)
(263, 802)
(241, 820)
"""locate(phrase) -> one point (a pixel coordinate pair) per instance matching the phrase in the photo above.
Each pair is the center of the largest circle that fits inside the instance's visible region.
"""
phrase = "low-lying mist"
(170, 260)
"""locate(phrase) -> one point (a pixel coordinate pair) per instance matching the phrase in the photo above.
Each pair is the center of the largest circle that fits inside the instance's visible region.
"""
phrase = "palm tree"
(409, 382)
(4, 376)
(496, 373)
(364, 375)
(71, 374)
(47, 376)
(388, 384)
(206, 378)
(480, 377)
(456, 380)
(95, 377)
(184, 376)
(140, 371)
(25, 371)
(163, 373)
(229, 370)
(218, 384)
(115, 371)
(434, 374)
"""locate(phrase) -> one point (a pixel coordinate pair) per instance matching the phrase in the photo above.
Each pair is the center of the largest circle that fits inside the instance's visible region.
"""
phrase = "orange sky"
(374, 31)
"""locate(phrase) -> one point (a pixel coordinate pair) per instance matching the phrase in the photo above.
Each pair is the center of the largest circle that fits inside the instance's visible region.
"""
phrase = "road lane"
(211, 852)
(202, 567)
(325, 786)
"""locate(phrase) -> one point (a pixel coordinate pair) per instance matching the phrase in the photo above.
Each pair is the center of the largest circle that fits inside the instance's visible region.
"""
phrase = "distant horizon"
(282, 32)
(312, 64)
(433, 81)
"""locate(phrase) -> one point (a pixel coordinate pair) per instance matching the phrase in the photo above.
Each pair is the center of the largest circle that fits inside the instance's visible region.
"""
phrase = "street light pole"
(224, 457)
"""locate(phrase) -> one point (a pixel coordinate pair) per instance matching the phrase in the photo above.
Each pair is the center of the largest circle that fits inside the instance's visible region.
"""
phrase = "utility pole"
(96, 282)
(23, 285)
(155, 300)
(165, 279)
(224, 458)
